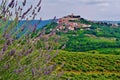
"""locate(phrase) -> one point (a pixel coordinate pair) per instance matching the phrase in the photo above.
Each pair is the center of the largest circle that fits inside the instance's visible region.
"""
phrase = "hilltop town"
(68, 22)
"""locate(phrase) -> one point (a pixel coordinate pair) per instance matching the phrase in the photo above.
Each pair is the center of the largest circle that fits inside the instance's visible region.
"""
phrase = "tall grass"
(25, 57)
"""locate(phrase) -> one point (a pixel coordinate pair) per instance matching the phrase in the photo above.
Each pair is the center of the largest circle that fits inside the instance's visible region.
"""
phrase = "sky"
(88, 9)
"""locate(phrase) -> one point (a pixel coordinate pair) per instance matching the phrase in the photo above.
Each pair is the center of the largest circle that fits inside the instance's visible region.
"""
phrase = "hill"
(76, 49)
(99, 36)
(86, 66)
(70, 65)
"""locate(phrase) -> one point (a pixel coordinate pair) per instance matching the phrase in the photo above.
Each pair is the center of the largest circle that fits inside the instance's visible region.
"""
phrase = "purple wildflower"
(21, 69)
(49, 69)
(12, 52)
(26, 12)
(39, 3)
(39, 9)
(11, 3)
(33, 71)
(7, 36)
(4, 10)
(35, 27)
(16, 3)
(33, 12)
(6, 66)
(20, 54)
(2, 52)
(24, 2)
(19, 8)
(9, 41)
(30, 50)
(5, 47)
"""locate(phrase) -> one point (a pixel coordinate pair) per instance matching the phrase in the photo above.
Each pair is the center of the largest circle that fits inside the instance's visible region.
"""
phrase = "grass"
(86, 66)
(115, 51)
(91, 65)
(77, 66)
(94, 76)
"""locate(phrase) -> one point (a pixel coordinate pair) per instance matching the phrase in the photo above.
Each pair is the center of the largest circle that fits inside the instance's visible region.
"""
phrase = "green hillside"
(90, 54)
(100, 37)
(70, 65)
(81, 54)
(69, 48)
(86, 66)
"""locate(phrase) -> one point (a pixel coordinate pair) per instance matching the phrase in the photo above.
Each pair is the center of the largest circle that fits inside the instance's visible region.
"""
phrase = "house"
(72, 17)
(84, 26)
(68, 18)
(67, 22)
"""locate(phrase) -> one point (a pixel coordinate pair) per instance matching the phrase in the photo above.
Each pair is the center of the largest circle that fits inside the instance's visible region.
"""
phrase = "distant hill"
(112, 22)
(33, 22)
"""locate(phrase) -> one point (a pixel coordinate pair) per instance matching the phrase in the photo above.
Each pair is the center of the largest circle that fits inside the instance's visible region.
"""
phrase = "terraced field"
(86, 66)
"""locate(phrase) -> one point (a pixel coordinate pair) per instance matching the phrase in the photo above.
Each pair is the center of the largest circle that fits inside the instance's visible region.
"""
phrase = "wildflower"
(11, 3)
(12, 52)
(16, 3)
(1, 55)
(33, 12)
(3, 10)
(33, 71)
(35, 27)
(34, 16)
(48, 57)
(39, 3)
(49, 69)
(21, 69)
(20, 54)
(5, 47)
(7, 36)
(24, 2)
(9, 41)
(39, 9)
(6, 66)
(2, 52)
(26, 12)
(10, 14)
(19, 8)
(30, 50)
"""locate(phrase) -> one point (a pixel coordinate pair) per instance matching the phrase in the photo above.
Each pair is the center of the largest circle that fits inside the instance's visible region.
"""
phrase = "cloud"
(103, 4)
(90, 9)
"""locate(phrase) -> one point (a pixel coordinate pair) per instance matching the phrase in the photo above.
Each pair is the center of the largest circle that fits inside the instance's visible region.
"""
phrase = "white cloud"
(103, 4)
(90, 9)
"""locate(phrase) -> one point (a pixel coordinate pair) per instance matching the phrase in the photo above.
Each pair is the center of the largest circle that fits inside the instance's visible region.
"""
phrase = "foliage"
(99, 36)
(83, 65)
(21, 55)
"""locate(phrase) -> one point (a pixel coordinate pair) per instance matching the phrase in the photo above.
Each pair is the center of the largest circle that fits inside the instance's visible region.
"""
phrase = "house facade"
(69, 22)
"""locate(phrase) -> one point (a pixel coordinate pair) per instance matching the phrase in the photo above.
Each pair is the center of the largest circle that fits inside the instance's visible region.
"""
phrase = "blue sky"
(89, 9)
